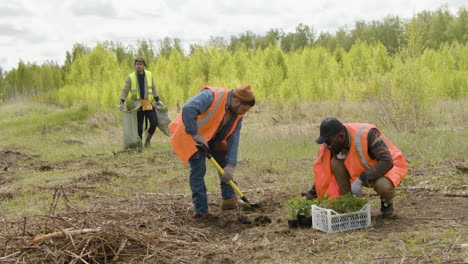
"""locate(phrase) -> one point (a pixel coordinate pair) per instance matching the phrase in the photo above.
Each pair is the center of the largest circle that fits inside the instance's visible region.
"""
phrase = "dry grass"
(138, 206)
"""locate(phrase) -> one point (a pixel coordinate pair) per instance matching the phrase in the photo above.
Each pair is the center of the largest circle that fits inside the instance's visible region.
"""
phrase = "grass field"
(65, 168)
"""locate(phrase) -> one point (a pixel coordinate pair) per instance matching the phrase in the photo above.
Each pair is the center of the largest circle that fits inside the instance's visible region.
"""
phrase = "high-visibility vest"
(135, 85)
(207, 123)
(356, 162)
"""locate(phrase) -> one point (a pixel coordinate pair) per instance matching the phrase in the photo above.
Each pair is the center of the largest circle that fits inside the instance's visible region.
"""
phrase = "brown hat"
(140, 59)
(244, 94)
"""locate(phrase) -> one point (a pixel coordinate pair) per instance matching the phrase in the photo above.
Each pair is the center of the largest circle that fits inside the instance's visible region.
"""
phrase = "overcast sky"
(40, 30)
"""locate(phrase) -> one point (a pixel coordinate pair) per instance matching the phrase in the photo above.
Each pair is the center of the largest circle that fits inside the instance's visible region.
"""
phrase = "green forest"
(403, 64)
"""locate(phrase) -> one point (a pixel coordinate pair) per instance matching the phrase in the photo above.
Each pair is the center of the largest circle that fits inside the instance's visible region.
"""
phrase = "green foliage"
(304, 36)
(299, 206)
(342, 204)
(401, 66)
(130, 104)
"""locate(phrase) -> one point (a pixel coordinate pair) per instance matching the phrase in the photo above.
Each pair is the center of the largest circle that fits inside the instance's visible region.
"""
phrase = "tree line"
(300, 65)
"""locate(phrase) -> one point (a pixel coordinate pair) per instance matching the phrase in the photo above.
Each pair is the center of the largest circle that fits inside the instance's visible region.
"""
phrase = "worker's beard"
(337, 147)
(233, 110)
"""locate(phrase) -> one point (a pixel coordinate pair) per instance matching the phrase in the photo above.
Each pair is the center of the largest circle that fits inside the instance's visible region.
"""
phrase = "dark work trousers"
(383, 185)
(151, 115)
(197, 180)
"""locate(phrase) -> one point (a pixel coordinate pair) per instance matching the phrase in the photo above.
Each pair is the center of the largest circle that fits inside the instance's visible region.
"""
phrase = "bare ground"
(430, 225)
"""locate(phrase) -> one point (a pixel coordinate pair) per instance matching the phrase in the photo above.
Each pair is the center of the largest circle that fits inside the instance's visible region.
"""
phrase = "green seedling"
(342, 204)
(300, 206)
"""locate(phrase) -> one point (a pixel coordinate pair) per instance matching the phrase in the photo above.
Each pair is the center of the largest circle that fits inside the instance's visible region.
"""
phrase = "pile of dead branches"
(129, 230)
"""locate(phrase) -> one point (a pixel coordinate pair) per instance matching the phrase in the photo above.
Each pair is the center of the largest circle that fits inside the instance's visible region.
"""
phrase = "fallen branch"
(439, 218)
(434, 190)
(66, 232)
(244, 190)
(122, 246)
(77, 257)
(412, 188)
(10, 256)
(394, 257)
(456, 194)
(171, 194)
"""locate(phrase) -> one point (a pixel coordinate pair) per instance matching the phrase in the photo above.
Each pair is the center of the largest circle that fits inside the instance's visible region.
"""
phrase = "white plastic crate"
(327, 220)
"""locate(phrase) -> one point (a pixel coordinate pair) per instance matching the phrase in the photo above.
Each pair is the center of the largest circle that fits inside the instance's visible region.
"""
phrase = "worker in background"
(142, 88)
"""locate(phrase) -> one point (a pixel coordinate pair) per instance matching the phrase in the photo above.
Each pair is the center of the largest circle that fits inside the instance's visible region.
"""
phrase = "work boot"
(201, 215)
(386, 209)
(231, 203)
(147, 141)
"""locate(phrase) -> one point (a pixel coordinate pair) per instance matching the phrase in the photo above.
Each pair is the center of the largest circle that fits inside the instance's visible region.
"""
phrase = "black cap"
(330, 126)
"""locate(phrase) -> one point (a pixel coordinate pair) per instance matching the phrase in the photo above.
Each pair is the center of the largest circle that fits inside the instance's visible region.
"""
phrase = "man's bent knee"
(384, 187)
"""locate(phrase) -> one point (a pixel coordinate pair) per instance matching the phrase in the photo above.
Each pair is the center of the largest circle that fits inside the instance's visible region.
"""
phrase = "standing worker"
(213, 117)
(353, 155)
(142, 87)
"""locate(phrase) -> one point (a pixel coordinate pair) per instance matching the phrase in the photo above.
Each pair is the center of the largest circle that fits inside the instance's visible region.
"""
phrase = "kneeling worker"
(353, 155)
(213, 117)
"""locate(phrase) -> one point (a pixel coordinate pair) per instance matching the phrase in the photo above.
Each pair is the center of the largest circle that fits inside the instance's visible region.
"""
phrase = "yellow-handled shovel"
(208, 155)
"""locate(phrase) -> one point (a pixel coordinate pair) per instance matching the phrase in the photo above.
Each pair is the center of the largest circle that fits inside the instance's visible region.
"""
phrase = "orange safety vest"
(356, 162)
(207, 122)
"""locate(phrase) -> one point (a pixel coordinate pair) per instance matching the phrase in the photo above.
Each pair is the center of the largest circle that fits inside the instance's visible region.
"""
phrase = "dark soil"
(160, 228)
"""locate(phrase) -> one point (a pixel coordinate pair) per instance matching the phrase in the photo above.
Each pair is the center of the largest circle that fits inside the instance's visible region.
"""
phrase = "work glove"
(159, 104)
(356, 187)
(121, 104)
(228, 173)
(200, 139)
(158, 101)
(311, 193)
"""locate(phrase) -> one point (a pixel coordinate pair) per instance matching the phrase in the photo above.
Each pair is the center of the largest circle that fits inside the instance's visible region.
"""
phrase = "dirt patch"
(46, 167)
(73, 142)
(244, 220)
(161, 228)
(9, 158)
(462, 166)
(96, 177)
(6, 195)
(262, 220)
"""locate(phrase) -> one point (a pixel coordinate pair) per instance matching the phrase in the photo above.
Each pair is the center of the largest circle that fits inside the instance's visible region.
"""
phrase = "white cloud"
(104, 9)
(13, 9)
(38, 30)
(3, 60)
(10, 30)
(143, 9)
(248, 7)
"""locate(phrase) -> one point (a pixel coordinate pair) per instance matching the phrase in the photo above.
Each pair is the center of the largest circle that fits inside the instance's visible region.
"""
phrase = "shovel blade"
(249, 204)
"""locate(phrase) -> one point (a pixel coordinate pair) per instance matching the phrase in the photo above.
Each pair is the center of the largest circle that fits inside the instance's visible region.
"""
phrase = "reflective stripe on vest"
(357, 139)
(356, 162)
(135, 85)
(205, 119)
(207, 124)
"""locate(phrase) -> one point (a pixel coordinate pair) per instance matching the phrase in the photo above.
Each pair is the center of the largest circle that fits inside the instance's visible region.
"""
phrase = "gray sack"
(130, 128)
(163, 120)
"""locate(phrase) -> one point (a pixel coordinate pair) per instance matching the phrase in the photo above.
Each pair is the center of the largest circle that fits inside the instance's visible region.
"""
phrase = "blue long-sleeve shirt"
(196, 106)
